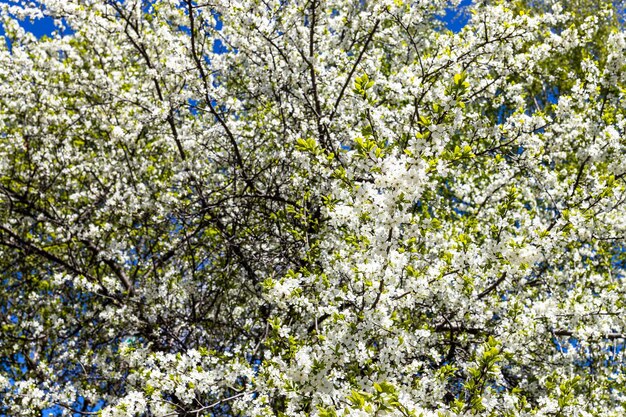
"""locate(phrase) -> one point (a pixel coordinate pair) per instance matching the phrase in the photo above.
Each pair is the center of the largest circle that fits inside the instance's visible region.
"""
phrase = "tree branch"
(357, 62)
(492, 287)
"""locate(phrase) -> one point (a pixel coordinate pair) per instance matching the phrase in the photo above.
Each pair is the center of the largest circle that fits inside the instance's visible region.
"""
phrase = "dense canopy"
(317, 208)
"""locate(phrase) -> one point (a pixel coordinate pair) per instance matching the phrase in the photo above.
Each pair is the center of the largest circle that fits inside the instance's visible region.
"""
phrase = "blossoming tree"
(312, 208)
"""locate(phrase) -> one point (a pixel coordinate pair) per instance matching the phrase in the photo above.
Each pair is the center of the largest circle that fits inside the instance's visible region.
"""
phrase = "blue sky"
(40, 27)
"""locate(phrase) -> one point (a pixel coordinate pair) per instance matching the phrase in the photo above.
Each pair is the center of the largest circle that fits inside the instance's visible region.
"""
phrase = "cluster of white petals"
(319, 208)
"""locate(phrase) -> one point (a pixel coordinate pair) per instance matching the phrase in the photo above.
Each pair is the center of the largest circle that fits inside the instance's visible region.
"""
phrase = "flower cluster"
(313, 208)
